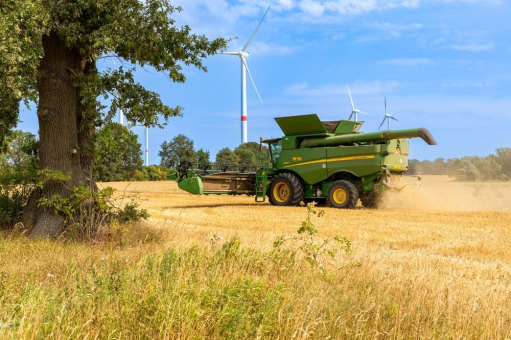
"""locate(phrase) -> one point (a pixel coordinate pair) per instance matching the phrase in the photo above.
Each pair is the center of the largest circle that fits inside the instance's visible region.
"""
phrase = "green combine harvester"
(328, 162)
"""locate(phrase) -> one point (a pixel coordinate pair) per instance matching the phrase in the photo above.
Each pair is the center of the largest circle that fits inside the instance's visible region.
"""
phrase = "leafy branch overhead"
(140, 33)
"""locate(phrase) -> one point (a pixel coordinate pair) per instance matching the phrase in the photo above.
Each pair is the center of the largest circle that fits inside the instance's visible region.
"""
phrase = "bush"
(89, 212)
(152, 173)
(18, 173)
(16, 186)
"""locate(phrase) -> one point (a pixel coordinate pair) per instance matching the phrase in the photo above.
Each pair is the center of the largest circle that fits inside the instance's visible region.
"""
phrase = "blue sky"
(442, 64)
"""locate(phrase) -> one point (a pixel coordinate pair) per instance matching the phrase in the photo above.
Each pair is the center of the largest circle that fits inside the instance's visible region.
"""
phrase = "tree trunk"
(86, 128)
(58, 131)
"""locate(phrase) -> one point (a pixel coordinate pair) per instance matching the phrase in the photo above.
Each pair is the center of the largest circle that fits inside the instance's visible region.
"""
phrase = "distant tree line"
(181, 149)
(495, 167)
(119, 158)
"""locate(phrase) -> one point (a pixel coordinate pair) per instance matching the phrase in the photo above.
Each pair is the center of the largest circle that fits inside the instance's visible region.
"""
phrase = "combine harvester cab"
(330, 162)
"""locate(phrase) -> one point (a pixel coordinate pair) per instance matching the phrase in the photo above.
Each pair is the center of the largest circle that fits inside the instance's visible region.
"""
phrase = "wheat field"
(433, 262)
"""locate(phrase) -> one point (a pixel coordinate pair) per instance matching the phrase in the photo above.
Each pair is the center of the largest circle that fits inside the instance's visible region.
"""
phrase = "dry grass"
(435, 263)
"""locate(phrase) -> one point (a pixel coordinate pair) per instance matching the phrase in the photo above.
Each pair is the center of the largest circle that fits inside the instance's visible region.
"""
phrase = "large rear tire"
(342, 194)
(286, 190)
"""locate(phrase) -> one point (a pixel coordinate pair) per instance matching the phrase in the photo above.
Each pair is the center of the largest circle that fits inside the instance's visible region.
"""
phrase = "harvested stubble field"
(432, 263)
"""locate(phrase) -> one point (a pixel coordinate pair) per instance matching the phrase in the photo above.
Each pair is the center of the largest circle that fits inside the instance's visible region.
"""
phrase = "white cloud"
(312, 7)
(353, 7)
(489, 2)
(407, 62)
(484, 47)
(262, 48)
(360, 87)
(467, 84)
(385, 30)
(386, 26)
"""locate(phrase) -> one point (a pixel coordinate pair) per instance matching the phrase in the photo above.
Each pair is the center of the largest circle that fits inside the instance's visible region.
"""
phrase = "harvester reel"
(286, 189)
(342, 194)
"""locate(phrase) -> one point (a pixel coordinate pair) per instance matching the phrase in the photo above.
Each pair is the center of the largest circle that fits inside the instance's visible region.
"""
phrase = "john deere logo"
(297, 159)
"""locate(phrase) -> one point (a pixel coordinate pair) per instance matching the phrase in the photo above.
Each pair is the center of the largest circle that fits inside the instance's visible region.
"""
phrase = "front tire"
(342, 194)
(286, 190)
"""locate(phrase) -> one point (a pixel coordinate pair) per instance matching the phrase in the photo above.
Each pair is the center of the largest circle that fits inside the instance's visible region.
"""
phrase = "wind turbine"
(146, 130)
(388, 117)
(354, 111)
(121, 115)
(243, 55)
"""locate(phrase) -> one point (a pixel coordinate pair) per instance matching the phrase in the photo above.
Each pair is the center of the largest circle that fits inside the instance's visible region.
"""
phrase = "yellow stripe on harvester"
(331, 160)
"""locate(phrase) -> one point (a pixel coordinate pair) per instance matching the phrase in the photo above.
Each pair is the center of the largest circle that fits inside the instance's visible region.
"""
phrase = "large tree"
(118, 153)
(179, 149)
(48, 54)
(226, 156)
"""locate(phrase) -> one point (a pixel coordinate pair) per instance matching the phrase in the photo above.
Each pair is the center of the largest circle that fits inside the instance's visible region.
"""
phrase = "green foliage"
(245, 156)
(88, 211)
(178, 150)
(248, 153)
(20, 51)
(16, 185)
(118, 154)
(203, 156)
(316, 253)
(95, 29)
(504, 160)
(152, 173)
(490, 168)
(18, 173)
(226, 156)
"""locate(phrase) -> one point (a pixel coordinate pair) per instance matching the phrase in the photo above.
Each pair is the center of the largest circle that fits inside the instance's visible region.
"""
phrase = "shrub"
(16, 186)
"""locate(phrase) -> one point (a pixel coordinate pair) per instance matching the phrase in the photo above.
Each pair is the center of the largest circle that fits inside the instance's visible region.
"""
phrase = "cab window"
(275, 149)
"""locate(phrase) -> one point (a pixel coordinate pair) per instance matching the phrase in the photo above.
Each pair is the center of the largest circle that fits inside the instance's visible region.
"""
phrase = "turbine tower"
(146, 130)
(243, 55)
(354, 112)
(388, 117)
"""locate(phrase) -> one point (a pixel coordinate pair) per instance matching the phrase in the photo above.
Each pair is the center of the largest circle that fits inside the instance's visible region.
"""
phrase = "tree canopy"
(179, 149)
(48, 55)
(118, 153)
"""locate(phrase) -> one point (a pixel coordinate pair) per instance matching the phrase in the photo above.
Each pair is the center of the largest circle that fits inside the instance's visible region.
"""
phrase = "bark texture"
(86, 126)
(58, 131)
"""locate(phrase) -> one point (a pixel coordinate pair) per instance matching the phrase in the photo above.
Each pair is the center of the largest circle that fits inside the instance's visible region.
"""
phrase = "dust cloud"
(440, 193)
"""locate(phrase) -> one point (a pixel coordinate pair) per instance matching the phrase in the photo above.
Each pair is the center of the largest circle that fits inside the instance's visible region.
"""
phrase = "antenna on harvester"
(243, 55)
(354, 112)
(388, 117)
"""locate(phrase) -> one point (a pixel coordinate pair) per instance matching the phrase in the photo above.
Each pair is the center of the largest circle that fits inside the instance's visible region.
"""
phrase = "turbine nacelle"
(387, 117)
(354, 112)
(243, 55)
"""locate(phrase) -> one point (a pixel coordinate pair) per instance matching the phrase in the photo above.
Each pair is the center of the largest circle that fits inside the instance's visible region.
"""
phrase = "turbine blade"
(363, 112)
(352, 105)
(230, 53)
(253, 82)
(393, 118)
(253, 34)
(383, 121)
(351, 115)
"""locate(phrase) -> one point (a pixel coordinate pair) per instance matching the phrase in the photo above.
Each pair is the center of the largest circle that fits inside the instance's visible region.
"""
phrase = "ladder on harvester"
(261, 180)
